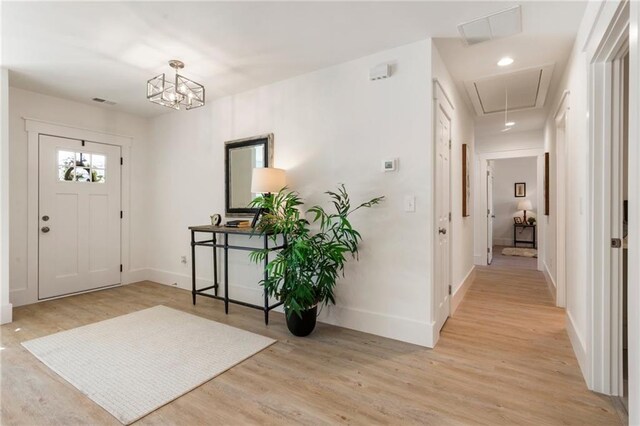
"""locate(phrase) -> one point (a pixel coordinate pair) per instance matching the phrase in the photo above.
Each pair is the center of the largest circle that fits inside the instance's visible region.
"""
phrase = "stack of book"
(238, 224)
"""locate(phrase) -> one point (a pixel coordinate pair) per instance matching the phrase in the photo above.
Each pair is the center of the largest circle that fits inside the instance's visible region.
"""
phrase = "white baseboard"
(398, 328)
(503, 242)
(135, 275)
(553, 289)
(183, 281)
(6, 313)
(393, 327)
(480, 260)
(578, 347)
(461, 290)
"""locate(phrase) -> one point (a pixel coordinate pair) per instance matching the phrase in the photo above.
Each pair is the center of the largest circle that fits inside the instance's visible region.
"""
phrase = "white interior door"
(490, 215)
(442, 272)
(79, 216)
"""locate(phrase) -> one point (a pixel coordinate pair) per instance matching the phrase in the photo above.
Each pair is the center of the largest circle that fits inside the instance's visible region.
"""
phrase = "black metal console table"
(213, 243)
(523, 227)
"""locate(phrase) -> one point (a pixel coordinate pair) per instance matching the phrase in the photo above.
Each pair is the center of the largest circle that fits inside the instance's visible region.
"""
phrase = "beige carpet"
(133, 364)
(520, 251)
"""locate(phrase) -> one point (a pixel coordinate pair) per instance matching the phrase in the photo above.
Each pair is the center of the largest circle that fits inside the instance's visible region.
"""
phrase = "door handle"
(442, 231)
(45, 229)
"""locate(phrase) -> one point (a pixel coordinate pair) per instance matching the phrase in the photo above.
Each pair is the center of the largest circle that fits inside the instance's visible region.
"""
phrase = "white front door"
(442, 271)
(490, 216)
(79, 216)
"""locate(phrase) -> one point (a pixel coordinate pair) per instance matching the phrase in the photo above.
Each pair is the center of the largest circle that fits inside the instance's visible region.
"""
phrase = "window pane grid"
(81, 167)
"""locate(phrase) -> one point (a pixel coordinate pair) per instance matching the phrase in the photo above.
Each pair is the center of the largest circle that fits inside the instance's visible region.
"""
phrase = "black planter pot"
(302, 326)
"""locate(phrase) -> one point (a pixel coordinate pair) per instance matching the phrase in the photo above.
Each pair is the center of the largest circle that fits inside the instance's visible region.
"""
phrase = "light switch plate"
(410, 203)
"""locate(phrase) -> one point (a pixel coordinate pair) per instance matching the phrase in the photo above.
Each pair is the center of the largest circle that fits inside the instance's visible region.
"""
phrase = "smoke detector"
(497, 25)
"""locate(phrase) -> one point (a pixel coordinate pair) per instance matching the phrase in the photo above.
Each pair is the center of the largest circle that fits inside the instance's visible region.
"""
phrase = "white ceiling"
(546, 39)
(109, 49)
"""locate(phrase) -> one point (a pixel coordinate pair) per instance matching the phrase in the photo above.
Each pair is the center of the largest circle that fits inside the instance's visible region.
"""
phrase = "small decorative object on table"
(531, 220)
(518, 220)
(216, 219)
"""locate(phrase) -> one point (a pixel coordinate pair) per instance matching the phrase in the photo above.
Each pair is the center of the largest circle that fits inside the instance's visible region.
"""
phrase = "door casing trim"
(441, 101)
(35, 127)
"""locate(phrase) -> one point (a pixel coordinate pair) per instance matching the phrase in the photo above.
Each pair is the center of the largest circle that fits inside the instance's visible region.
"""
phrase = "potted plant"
(304, 273)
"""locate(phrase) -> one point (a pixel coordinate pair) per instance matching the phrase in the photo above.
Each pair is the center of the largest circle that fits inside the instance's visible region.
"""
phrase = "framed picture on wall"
(466, 181)
(520, 189)
(546, 184)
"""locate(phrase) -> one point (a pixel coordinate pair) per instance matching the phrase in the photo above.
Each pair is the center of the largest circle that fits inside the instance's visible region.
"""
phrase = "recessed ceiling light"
(505, 61)
(510, 123)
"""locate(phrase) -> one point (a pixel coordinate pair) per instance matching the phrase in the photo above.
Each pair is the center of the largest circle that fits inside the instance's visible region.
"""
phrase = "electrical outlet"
(183, 259)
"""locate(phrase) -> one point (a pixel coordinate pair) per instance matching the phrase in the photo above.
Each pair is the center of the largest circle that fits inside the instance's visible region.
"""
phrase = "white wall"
(28, 104)
(510, 141)
(5, 304)
(581, 300)
(576, 229)
(462, 132)
(506, 172)
(331, 126)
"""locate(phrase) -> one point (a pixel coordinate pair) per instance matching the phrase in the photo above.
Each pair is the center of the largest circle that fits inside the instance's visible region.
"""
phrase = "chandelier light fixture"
(176, 93)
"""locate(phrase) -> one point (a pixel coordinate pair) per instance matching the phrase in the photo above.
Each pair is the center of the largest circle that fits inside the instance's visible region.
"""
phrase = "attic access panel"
(526, 89)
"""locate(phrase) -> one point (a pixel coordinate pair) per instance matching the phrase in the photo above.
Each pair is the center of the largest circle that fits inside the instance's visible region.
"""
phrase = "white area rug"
(520, 251)
(133, 364)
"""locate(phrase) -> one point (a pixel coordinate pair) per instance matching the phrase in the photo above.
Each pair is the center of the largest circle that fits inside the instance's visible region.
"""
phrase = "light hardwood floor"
(517, 262)
(504, 358)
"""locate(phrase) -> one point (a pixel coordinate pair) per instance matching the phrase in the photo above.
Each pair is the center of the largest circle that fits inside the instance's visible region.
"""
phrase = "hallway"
(511, 340)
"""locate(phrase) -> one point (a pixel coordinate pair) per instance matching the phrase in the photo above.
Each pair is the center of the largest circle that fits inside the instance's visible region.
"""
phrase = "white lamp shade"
(267, 179)
(525, 205)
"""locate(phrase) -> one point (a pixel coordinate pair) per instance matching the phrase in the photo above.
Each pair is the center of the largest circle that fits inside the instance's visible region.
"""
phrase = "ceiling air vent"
(103, 101)
(500, 24)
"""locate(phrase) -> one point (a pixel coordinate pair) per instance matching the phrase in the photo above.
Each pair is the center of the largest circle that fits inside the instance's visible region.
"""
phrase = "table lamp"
(265, 180)
(525, 205)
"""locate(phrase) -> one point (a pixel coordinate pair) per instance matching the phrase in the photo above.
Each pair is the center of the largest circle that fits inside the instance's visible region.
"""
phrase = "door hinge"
(121, 214)
(449, 289)
(488, 173)
(488, 250)
(449, 143)
(449, 216)
(121, 161)
(488, 212)
(121, 267)
(616, 242)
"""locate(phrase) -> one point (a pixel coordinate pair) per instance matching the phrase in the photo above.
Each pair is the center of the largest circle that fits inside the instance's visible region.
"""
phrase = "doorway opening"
(511, 183)
(512, 214)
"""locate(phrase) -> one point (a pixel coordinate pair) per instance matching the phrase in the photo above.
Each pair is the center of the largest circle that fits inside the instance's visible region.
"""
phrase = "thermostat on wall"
(389, 165)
